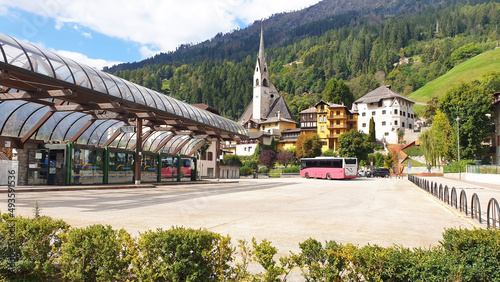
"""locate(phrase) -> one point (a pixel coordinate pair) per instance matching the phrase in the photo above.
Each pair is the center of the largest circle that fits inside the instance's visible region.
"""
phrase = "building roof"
(381, 93)
(311, 110)
(330, 105)
(207, 108)
(291, 130)
(279, 105)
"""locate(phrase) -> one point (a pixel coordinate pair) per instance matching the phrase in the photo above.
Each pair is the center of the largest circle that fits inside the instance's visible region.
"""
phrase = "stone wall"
(22, 157)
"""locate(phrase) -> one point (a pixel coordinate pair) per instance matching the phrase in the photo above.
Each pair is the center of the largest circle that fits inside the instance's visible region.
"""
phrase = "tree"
(285, 157)
(472, 103)
(267, 158)
(338, 92)
(308, 146)
(390, 160)
(330, 153)
(430, 108)
(372, 130)
(355, 144)
(401, 134)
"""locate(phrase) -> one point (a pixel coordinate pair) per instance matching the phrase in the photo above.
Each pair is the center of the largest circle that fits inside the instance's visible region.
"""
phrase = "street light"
(458, 147)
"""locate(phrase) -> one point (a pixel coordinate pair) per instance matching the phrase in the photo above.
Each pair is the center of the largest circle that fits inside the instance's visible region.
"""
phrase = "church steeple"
(262, 55)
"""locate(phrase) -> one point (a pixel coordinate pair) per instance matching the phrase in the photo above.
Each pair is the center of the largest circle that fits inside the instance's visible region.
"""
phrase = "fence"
(483, 169)
(460, 203)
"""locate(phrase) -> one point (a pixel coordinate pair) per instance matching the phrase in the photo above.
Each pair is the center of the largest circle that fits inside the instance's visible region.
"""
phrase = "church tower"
(263, 93)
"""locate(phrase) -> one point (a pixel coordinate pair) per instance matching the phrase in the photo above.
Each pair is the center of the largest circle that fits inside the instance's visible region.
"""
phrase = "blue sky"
(101, 33)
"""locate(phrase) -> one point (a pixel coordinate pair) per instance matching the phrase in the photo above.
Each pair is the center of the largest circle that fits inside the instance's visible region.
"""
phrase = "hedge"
(49, 250)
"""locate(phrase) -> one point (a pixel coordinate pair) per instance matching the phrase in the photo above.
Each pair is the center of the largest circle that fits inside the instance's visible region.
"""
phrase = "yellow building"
(333, 120)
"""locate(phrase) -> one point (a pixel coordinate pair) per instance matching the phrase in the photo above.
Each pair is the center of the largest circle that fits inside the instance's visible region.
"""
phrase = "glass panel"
(126, 94)
(113, 89)
(14, 53)
(190, 146)
(58, 130)
(85, 138)
(121, 167)
(177, 108)
(100, 130)
(6, 108)
(109, 132)
(168, 169)
(138, 98)
(97, 82)
(39, 63)
(88, 166)
(185, 109)
(149, 168)
(38, 168)
(33, 119)
(81, 77)
(158, 102)
(147, 97)
(168, 104)
(130, 141)
(77, 125)
(60, 67)
(61, 132)
(17, 119)
(49, 126)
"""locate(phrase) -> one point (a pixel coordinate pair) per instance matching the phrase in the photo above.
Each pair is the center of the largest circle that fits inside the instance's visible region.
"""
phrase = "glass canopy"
(29, 57)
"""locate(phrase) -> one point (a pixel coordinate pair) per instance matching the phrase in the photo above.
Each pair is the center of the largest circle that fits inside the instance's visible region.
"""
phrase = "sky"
(106, 32)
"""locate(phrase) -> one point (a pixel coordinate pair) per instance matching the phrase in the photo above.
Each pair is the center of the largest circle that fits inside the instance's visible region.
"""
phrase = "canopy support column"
(217, 160)
(138, 152)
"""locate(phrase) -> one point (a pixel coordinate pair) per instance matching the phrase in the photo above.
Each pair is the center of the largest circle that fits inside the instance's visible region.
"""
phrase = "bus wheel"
(307, 175)
(328, 176)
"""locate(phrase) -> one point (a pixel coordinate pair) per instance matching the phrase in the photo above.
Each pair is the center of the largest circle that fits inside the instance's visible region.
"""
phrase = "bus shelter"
(73, 124)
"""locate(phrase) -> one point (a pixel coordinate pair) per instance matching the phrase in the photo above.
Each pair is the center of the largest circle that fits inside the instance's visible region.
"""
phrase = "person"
(429, 167)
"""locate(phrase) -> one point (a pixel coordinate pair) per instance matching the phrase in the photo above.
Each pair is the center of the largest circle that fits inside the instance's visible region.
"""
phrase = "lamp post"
(458, 148)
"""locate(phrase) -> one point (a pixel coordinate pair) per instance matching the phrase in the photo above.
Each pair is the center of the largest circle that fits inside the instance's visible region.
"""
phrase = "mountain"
(405, 44)
(282, 29)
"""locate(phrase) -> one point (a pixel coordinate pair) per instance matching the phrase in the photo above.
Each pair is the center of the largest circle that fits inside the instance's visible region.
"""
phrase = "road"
(285, 211)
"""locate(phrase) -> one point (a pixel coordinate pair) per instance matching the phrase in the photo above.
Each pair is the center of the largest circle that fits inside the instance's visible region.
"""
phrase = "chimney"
(388, 86)
(278, 114)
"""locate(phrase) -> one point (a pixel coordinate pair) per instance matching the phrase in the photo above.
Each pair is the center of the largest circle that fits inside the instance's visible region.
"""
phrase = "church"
(267, 116)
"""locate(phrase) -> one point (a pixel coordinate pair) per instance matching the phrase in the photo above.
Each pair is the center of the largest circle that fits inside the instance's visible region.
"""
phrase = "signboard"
(127, 129)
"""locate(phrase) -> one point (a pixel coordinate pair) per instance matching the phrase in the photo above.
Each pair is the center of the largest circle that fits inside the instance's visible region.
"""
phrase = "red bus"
(171, 169)
(329, 167)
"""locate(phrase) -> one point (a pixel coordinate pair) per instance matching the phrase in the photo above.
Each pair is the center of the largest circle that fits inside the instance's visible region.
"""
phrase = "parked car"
(365, 173)
(381, 172)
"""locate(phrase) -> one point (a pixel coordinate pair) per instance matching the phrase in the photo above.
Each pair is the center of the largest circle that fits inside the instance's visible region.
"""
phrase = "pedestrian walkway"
(114, 186)
(485, 193)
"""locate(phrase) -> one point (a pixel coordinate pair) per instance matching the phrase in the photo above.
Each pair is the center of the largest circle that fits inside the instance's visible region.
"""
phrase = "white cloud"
(83, 59)
(160, 25)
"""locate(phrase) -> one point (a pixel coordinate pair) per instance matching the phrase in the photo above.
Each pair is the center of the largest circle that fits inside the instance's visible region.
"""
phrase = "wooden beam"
(146, 115)
(4, 74)
(179, 148)
(90, 107)
(173, 122)
(117, 116)
(82, 130)
(144, 138)
(38, 95)
(163, 143)
(112, 138)
(39, 124)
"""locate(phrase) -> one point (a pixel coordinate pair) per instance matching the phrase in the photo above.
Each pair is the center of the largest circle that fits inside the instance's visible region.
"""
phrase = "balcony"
(337, 117)
(337, 126)
(333, 136)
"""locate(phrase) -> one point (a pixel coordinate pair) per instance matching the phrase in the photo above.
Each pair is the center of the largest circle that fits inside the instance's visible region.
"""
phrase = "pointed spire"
(261, 48)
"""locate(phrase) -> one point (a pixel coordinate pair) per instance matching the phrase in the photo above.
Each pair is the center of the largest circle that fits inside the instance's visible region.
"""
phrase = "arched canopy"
(53, 99)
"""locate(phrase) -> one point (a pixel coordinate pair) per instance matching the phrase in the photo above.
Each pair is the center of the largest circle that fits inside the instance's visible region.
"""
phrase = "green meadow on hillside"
(465, 72)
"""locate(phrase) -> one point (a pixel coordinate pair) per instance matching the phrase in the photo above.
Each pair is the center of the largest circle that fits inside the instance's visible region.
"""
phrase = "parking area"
(286, 211)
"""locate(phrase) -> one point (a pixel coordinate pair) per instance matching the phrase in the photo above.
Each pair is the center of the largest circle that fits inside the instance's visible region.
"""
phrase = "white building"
(390, 111)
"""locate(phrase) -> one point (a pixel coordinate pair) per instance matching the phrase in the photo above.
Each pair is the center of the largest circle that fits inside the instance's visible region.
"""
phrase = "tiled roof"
(311, 110)
(279, 105)
(383, 92)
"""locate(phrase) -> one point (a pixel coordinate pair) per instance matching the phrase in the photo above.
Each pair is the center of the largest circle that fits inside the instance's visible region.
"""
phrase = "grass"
(413, 162)
(467, 71)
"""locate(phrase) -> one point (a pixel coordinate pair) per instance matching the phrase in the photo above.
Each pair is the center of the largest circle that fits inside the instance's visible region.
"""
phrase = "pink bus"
(329, 167)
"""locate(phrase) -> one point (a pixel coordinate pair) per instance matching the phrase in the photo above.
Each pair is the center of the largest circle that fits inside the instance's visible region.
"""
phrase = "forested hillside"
(364, 49)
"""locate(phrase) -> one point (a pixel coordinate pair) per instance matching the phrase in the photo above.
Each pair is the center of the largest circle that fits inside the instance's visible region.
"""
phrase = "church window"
(264, 83)
(265, 69)
(257, 82)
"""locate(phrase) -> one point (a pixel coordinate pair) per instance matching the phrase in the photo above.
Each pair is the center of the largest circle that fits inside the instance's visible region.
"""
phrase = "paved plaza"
(285, 211)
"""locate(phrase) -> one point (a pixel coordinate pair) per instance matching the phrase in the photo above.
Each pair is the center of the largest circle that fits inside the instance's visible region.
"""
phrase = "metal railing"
(460, 203)
(483, 169)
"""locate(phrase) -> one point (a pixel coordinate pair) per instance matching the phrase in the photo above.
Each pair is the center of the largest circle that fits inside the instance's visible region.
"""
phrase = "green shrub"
(320, 263)
(453, 167)
(474, 254)
(292, 169)
(244, 171)
(36, 244)
(252, 164)
(97, 253)
(263, 170)
(231, 160)
(181, 254)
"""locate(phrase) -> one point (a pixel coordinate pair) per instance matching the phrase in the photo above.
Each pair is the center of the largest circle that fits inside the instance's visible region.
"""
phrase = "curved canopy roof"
(38, 85)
